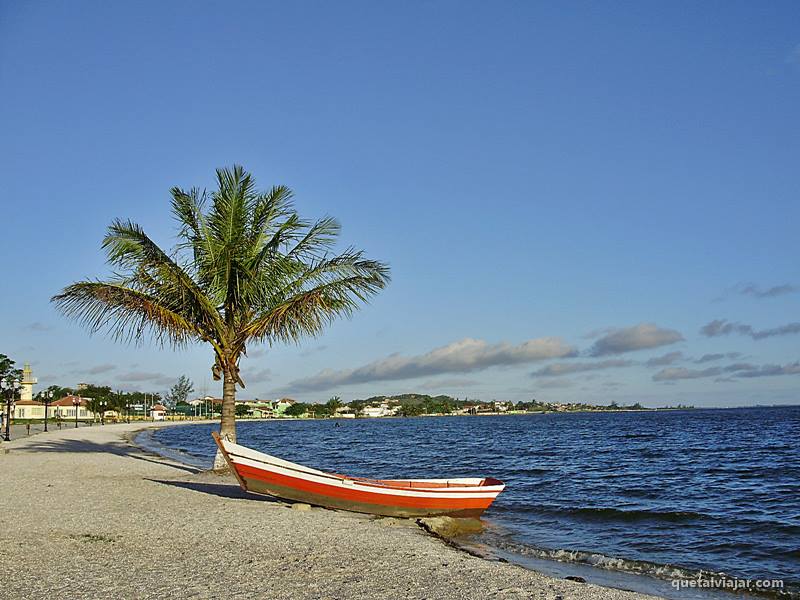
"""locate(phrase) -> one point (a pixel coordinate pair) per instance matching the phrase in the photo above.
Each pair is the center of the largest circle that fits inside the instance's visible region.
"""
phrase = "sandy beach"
(86, 514)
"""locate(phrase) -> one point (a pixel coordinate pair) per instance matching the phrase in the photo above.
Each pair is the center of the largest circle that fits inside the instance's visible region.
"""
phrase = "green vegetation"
(179, 392)
(246, 269)
(410, 405)
(298, 409)
(7, 369)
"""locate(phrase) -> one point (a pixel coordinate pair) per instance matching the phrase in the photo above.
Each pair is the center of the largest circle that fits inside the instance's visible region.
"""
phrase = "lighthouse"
(27, 383)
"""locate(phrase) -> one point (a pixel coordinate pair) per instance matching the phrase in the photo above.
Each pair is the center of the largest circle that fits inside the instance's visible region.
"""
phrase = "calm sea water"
(665, 494)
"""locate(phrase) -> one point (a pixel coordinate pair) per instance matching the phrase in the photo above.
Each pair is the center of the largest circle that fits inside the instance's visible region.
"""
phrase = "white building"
(345, 412)
(158, 412)
(382, 410)
(64, 408)
(27, 383)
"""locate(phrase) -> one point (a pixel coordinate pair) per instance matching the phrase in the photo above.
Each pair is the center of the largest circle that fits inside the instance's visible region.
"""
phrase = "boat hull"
(262, 474)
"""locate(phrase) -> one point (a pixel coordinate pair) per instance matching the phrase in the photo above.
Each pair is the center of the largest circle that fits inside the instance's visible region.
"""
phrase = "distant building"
(27, 383)
(158, 412)
(205, 400)
(60, 409)
(281, 406)
(262, 411)
(29, 409)
(345, 412)
(382, 410)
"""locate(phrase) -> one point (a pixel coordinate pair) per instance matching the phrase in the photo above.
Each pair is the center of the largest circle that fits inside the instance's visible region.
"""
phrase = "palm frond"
(147, 268)
(307, 311)
(268, 209)
(319, 238)
(125, 314)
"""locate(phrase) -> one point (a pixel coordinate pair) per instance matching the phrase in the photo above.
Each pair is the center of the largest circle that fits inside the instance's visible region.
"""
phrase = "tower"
(27, 383)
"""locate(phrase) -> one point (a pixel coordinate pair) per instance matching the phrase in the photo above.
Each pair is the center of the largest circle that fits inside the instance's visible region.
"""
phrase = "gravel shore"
(85, 514)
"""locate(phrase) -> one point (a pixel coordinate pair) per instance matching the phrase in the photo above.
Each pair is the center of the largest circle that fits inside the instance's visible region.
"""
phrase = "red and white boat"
(261, 473)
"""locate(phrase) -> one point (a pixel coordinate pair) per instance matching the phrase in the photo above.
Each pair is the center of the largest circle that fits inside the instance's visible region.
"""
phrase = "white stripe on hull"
(477, 492)
(264, 462)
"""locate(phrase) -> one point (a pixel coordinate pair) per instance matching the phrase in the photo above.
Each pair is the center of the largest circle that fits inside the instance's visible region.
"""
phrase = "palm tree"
(334, 404)
(246, 270)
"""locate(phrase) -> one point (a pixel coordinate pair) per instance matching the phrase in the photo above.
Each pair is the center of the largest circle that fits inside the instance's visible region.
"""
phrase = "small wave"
(638, 567)
(610, 563)
(639, 492)
(637, 515)
(615, 514)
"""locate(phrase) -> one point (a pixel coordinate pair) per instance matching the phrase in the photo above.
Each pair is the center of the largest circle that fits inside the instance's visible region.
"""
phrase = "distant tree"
(320, 410)
(409, 409)
(96, 392)
(120, 401)
(7, 369)
(59, 392)
(96, 406)
(180, 392)
(242, 410)
(334, 404)
(298, 409)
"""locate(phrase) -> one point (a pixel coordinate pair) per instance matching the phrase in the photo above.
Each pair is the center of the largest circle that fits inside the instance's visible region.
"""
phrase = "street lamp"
(47, 396)
(76, 401)
(9, 387)
(102, 404)
(127, 412)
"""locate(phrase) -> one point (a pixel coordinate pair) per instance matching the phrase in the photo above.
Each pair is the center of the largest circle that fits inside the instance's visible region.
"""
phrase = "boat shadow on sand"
(223, 490)
(117, 448)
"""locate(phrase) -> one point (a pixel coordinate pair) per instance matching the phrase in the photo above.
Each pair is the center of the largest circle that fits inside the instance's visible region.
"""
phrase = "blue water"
(666, 494)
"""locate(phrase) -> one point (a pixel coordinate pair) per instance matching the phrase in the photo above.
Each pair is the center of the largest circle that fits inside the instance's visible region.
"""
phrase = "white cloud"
(739, 370)
(720, 327)
(665, 359)
(772, 370)
(451, 383)
(638, 337)
(463, 356)
(257, 376)
(96, 370)
(712, 357)
(555, 383)
(559, 369)
(751, 289)
(315, 349)
(675, 373)
(146, 377)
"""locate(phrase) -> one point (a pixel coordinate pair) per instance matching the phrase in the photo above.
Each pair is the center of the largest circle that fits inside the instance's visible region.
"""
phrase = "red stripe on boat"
(356, 495)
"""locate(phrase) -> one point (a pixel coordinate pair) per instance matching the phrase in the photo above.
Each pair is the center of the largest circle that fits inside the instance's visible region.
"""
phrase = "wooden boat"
(264, 474)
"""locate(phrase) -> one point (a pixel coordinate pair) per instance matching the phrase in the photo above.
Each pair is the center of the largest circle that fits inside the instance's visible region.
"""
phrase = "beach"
(86, 514)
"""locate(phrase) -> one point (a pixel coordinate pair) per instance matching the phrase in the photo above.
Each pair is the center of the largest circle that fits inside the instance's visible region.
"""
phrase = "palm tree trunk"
(227, 428)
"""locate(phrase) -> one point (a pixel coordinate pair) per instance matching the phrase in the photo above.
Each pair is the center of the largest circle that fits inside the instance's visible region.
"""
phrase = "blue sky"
(616, 176)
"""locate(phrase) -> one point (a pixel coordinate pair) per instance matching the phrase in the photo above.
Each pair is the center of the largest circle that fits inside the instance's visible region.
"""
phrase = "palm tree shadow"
(223, 490)
(116, 448)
